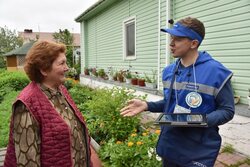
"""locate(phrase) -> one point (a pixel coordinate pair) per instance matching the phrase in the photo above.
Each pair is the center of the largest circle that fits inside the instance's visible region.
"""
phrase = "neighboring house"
(28, 35)
(120, 33)
(15, 59)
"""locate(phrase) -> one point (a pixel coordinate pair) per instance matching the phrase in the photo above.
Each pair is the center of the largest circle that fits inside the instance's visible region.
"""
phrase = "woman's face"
(56, 76)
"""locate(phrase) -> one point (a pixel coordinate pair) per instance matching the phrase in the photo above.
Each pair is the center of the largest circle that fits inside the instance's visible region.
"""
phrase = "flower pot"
(115, 78)
(236, 99)
(151, 85)
(86, 72)
(141, 82)
(110, 77)
(120, 79)
(128, 80)
(248, 97)
(134, 81)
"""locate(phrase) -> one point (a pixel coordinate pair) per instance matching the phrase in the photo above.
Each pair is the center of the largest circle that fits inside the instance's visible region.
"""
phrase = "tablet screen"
(182, 118)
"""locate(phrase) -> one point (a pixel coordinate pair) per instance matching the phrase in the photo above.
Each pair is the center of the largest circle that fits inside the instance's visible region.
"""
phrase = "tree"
(65, 37)
(8, 41)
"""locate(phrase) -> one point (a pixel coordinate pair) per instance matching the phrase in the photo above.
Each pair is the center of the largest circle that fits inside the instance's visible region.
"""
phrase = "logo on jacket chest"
(193, 99)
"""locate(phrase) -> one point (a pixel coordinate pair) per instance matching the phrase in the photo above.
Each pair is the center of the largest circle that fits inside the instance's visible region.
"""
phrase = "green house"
(123, 33)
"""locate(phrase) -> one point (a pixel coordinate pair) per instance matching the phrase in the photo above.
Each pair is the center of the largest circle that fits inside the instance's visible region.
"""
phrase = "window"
(129, 38)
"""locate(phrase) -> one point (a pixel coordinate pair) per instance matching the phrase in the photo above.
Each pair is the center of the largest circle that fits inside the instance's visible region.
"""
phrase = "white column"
(168, 16)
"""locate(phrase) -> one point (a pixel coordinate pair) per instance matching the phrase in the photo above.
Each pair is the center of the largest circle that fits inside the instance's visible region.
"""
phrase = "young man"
(201, 85)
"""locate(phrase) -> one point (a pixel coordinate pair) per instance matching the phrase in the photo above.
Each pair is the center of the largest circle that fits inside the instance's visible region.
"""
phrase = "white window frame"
(125, 22)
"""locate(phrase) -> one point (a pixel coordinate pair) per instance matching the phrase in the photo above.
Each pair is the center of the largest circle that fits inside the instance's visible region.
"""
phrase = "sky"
(42, 15)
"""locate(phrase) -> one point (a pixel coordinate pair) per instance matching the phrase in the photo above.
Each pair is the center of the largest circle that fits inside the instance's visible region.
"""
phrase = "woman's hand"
(135, 106)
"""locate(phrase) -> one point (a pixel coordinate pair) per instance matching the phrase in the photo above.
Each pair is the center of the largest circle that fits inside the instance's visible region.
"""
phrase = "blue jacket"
(195, 146)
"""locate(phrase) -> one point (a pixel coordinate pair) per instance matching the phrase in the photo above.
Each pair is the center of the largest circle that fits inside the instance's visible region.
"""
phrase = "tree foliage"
(8, 41)
(65, 37)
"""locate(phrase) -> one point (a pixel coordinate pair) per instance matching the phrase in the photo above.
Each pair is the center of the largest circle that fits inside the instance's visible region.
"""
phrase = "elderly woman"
(46, 127)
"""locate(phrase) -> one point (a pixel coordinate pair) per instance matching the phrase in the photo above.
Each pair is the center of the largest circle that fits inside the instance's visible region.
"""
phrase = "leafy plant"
(135, 75)
(4, 91)
(115, 75)
(151, 79)
(86, 71)
(103, 115)
(15, 80)
(101, 73)
(9, 40)
(2, 63)
(71, 73)
(138, 150)
(69, 83)
(78, 68)
(66, 37)
(120, 75)
(110, 71)
(81, 94)
(128, 74)
(93, 72)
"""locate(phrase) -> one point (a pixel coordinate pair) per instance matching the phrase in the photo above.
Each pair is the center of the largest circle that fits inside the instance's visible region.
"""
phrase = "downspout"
(168, 17)
(159, 45)
(83, 54)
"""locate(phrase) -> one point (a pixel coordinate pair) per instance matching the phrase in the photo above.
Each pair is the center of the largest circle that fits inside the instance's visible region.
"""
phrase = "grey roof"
(99, 6)
(20, 51)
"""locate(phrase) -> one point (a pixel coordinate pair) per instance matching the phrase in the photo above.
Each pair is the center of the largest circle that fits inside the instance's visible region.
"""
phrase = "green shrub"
(103, 115)
(15, 80)
(2, 63)
(69, 83)
(4, 91)
(5, 113)
(81, 94)
(137, 151)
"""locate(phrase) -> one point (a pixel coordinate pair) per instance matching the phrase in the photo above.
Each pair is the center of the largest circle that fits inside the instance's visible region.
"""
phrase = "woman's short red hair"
(41, 57)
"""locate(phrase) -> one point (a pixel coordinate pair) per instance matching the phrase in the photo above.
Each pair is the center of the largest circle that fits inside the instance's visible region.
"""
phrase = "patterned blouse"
(27, 137)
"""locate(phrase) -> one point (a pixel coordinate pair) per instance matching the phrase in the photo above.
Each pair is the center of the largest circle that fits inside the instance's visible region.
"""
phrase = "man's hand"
(135, 106)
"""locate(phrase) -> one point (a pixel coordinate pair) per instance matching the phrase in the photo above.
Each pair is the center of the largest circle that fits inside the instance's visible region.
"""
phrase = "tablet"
(182, 120)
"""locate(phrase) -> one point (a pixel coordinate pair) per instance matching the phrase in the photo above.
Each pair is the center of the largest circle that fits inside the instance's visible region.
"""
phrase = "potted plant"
(120, 76)
(141, 81)
(128, 76)
(115, 76)
(151, 81)
(134, 79)
(101, 73)
(71, 73)
(236, 99)
(86, 71)
(110, 73)
(94, 72)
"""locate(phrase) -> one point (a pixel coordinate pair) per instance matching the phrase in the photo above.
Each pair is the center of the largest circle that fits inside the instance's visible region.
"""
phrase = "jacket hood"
(203, 57)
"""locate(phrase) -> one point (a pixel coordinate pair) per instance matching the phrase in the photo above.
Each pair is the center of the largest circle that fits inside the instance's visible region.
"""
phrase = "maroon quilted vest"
(55, 133)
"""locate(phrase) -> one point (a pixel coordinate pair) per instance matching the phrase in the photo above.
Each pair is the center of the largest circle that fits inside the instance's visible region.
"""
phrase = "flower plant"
(137, 151)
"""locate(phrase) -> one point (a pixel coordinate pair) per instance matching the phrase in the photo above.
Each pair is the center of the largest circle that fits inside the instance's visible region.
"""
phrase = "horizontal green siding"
(104, 37)
(227, 37)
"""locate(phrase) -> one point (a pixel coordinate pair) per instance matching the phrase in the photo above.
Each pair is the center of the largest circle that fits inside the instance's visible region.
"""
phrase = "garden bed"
(123, 142)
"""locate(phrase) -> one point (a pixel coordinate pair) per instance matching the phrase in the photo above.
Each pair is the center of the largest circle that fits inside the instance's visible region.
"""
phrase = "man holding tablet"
(194, 84)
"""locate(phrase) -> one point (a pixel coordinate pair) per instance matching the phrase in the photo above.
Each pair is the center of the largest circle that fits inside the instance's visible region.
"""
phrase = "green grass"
(228, 148)
(5, 113)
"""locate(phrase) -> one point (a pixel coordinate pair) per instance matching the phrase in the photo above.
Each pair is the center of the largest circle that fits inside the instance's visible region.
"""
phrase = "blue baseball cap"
(182, 31)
